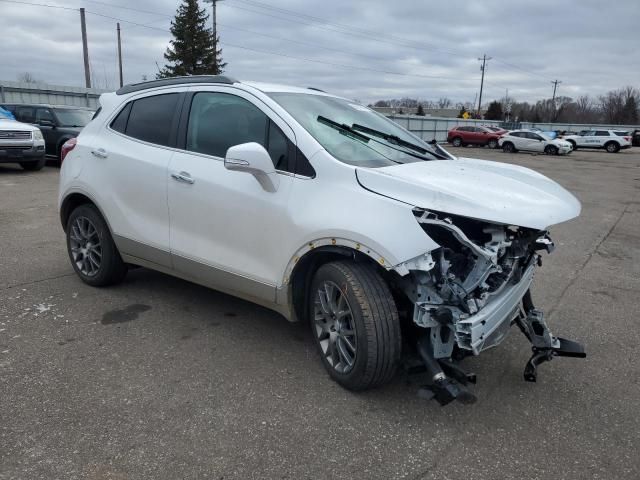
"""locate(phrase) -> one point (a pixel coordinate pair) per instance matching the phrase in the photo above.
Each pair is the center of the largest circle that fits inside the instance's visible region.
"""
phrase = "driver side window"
(218, 121)
(44, 114)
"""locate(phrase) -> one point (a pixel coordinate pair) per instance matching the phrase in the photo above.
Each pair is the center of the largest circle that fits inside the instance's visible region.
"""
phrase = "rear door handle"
(183, 177)
(100, 153)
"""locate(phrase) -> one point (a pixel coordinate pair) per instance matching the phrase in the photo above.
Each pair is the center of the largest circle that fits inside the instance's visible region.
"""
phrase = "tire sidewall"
(492, 144)
(331, 273)
(106, 242)
(456, 142)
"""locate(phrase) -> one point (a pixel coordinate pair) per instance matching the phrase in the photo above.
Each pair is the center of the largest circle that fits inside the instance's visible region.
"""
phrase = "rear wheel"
(573, 145)
(456, 142)
(33, 166)
(493, 143)
(93, 253)
(612, 147)
(551, 150)
(355, 324)
(508, 147)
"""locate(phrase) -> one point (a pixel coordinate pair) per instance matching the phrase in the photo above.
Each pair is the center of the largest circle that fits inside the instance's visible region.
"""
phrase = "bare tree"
(27, 77)
(444, 102)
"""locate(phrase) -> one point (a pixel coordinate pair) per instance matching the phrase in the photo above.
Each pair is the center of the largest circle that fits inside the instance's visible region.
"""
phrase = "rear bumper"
(15, 154)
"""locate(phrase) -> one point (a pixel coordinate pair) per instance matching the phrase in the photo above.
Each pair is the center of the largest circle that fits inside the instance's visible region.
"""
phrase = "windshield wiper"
(343, 128)
(395, 140)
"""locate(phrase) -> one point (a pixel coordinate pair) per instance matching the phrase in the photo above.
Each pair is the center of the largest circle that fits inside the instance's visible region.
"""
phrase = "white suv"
(611, 140)
(531, 141)
(21, 143)
(320, 209)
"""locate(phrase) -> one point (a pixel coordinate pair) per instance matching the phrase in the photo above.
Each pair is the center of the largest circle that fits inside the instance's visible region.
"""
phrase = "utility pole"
(119, 54)
(85, 50)
(482, 68)
(555, 86)
(553, 99)
(214, 30)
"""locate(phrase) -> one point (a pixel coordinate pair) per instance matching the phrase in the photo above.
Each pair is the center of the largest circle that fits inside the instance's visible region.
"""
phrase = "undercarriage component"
(447, 380)
(543, 344)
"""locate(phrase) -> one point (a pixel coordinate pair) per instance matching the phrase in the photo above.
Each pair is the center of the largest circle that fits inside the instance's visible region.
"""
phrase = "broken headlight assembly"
(469, 292)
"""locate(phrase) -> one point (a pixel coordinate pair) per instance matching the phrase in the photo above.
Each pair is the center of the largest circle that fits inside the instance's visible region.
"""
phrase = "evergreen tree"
(420, 110)
(494, 111)
(193, 50)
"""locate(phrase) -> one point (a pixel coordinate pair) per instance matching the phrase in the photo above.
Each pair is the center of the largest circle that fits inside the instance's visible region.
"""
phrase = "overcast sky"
(380, 49)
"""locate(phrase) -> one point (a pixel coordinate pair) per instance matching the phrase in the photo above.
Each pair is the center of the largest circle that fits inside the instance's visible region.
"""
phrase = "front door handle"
(100, 153)
(183, 177)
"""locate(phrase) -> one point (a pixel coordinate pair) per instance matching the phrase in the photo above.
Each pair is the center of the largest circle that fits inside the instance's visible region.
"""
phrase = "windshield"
(317, 114)
(73, 118)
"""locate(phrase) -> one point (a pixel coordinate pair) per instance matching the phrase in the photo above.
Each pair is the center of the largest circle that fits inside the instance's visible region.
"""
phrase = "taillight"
(67, 147)
(628, 139)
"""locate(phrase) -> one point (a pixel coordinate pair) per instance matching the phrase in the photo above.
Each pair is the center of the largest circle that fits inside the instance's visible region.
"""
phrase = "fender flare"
(337, 242)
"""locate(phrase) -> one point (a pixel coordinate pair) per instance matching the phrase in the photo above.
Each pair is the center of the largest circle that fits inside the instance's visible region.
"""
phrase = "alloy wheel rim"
(335, 327)
(86, 247)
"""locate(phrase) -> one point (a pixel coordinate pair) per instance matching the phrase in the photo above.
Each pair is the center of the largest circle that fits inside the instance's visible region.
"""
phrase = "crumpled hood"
(491, 191)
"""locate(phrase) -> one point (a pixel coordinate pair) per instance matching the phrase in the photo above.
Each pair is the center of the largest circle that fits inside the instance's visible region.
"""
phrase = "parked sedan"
(463, 135)
(533, 142)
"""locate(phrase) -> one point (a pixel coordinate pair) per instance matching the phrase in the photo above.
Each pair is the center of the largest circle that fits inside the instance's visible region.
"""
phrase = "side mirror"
(254, 159)
(46, 123)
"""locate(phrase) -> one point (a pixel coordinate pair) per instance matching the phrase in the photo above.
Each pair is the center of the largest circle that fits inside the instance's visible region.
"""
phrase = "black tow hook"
(564, 348)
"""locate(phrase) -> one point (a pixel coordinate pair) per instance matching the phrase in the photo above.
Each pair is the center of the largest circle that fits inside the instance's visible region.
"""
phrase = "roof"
(164, 82)
(47, 105)
(219, 79)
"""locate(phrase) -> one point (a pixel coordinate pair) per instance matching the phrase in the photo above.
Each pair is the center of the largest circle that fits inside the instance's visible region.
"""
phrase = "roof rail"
(316, 89)
(163, 82)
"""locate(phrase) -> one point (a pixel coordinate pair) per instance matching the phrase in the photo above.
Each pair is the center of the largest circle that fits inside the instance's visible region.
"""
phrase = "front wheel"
(457, 142)
(93, 254)
(355, 324)
(551, 150)
(493, 143)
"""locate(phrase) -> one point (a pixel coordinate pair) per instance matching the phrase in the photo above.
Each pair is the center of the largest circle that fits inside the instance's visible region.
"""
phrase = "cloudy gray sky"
(364, 49)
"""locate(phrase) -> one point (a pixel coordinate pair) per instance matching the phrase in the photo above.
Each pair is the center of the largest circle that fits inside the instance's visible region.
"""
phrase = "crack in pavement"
(589, 256)
(36, 281)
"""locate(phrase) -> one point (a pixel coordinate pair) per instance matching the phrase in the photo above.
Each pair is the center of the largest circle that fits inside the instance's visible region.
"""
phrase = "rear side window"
(622, 134)
(119, 124)
(25, 114)
(150, 118)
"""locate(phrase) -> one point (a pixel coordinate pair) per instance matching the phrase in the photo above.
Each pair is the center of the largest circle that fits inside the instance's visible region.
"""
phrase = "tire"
(93, 254)
(493, 143)
(551, 150)
(33, 166)
(371, 318)
(573, 145)
(612, 147)
(508, 147)
(457, 142)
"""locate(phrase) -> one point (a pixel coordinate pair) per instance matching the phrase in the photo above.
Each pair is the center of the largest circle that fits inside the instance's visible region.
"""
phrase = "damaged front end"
(469, 292)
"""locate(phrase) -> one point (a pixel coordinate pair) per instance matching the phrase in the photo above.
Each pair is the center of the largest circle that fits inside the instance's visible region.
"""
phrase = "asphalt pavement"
(158, 378)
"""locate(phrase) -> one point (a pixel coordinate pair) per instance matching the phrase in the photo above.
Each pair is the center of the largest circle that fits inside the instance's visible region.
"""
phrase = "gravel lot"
(158, 378)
